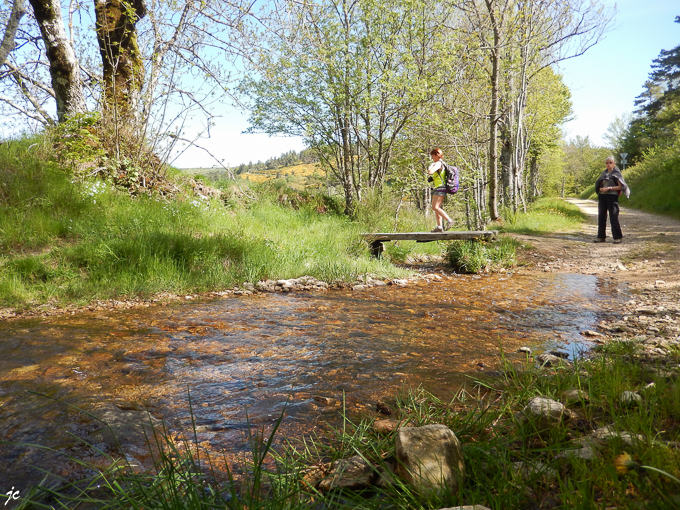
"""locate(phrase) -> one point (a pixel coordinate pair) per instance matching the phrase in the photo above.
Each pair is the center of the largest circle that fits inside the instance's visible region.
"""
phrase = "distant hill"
(299, 176)
(305, 170)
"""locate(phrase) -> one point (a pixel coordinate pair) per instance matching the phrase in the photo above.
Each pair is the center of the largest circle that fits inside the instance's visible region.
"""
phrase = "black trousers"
(608, 204)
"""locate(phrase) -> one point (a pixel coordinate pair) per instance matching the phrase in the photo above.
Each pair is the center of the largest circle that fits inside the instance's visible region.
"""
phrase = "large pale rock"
(630, 398)
(430, 458)
(609, 433)
(550, 360)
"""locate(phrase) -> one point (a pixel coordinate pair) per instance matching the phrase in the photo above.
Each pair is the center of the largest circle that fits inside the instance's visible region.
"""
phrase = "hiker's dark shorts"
(439, 192)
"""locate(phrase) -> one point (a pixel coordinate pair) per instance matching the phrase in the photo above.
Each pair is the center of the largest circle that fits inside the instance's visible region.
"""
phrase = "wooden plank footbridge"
(376, 240)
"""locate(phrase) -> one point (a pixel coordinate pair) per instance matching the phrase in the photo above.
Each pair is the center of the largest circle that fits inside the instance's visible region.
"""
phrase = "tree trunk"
(493, 113)
(7, 45)
(64, 68)
(123, 68)
(534, 178)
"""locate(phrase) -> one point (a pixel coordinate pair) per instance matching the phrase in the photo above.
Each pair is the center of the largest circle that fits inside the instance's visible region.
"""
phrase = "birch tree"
(7, 44)
(63, 63)
(521, 38)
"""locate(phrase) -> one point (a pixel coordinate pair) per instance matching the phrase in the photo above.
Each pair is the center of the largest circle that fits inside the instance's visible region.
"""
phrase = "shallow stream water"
(241, 360)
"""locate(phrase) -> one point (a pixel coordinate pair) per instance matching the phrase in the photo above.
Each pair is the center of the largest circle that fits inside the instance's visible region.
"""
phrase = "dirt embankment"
(648, 260)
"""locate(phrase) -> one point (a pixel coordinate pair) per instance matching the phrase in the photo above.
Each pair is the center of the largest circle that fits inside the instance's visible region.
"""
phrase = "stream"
(220, 366)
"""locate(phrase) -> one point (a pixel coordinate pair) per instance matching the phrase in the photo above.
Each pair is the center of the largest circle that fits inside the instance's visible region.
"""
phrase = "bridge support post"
(377, 249)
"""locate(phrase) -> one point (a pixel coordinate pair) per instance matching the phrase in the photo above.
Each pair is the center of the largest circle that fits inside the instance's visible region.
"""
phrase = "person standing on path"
(608, 188)
(438, 180)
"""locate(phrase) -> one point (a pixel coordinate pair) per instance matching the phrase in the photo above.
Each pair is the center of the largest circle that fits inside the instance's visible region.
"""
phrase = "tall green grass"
(480, 256)
(547, 214)
(68, 241)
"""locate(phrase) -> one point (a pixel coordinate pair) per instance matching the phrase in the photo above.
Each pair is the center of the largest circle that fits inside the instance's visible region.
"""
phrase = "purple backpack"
(450, 178)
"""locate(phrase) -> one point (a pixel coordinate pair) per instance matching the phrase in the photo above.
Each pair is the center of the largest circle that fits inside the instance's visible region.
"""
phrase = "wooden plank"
(430, 236)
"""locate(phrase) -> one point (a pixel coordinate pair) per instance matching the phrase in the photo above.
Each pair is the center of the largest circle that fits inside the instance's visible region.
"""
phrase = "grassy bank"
(76, 241)
(520, 463)
(67, 241)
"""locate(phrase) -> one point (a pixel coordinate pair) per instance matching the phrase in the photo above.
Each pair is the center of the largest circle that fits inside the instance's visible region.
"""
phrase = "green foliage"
(655, 181)
(658, 107)
(306, 83)
(76, 140)
(584, 163)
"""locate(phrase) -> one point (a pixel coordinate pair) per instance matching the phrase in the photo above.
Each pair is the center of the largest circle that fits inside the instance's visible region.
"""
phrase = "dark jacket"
(616, 176)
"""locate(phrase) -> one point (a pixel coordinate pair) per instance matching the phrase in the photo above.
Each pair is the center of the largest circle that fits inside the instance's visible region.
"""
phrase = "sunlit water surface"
(248, 359)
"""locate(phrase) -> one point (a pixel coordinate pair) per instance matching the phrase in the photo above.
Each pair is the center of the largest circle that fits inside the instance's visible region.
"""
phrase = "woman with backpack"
(438, 180)
(608, 187)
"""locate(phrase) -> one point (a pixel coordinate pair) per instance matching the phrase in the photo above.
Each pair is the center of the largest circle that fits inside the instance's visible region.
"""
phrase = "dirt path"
(648, 255)
(648, 260)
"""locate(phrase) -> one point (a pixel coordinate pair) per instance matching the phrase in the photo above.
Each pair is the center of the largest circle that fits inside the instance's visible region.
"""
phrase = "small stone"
(630, 398)
(383, 408)
(574, 396)
(118, 355)
(385, 427)
(353, 473)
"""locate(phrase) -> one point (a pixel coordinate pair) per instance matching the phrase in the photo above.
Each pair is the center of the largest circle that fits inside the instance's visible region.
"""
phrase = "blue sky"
(604, 83)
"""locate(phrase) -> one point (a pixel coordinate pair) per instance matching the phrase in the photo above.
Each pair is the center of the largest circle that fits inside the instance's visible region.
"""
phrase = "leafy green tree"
(517, 40)
(583, 163)
(617, 131)
(548, 107)
(348, 77)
